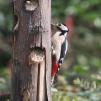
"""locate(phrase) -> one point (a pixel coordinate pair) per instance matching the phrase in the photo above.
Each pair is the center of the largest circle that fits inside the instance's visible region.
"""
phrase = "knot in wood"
(35, 29)
(36, 56)
(31, 5)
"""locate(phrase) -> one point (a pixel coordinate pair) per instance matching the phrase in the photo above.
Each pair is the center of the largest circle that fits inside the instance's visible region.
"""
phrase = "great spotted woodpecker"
(59, 48)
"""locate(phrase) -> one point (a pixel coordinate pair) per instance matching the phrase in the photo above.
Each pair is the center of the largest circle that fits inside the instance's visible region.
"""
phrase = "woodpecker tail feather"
(54, 71)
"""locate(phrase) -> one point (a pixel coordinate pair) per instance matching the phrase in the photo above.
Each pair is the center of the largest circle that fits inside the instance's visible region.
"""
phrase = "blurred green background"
(79, 79)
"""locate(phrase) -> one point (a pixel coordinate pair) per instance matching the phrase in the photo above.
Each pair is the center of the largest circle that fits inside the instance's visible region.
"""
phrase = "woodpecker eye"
(59, 26)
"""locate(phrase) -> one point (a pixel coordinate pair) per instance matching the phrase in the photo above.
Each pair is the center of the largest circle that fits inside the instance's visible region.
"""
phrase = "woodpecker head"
(63, 28)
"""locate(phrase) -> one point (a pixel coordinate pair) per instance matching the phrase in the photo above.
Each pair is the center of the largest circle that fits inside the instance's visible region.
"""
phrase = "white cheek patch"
(63, 27)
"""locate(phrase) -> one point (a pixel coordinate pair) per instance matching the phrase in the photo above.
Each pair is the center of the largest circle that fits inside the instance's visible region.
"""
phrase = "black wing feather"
(63, 52)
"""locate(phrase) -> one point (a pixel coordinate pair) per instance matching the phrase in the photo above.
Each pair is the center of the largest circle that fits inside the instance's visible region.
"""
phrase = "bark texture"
(31, 79)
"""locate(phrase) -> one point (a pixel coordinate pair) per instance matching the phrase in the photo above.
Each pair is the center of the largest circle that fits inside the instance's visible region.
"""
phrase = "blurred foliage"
(80, 77)
(81, 96)
(80, 81)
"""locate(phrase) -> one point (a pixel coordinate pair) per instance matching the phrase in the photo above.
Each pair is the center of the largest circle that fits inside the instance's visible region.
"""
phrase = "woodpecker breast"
(57, 41)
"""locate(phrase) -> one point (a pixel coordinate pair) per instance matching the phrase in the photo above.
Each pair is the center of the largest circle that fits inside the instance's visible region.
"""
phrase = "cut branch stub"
(31, 5)
(36, 56)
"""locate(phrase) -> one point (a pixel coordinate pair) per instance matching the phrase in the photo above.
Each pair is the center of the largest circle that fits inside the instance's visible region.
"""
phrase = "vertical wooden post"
(31, 51)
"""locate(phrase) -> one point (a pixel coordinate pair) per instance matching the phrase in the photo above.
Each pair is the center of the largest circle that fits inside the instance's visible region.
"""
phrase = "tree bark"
(31, 51)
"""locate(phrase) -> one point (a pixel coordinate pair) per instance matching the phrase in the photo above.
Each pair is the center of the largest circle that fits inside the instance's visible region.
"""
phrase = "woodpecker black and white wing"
(64, 49)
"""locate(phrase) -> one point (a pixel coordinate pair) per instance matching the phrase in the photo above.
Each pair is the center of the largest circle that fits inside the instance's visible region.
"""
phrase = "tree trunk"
(31, 51)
